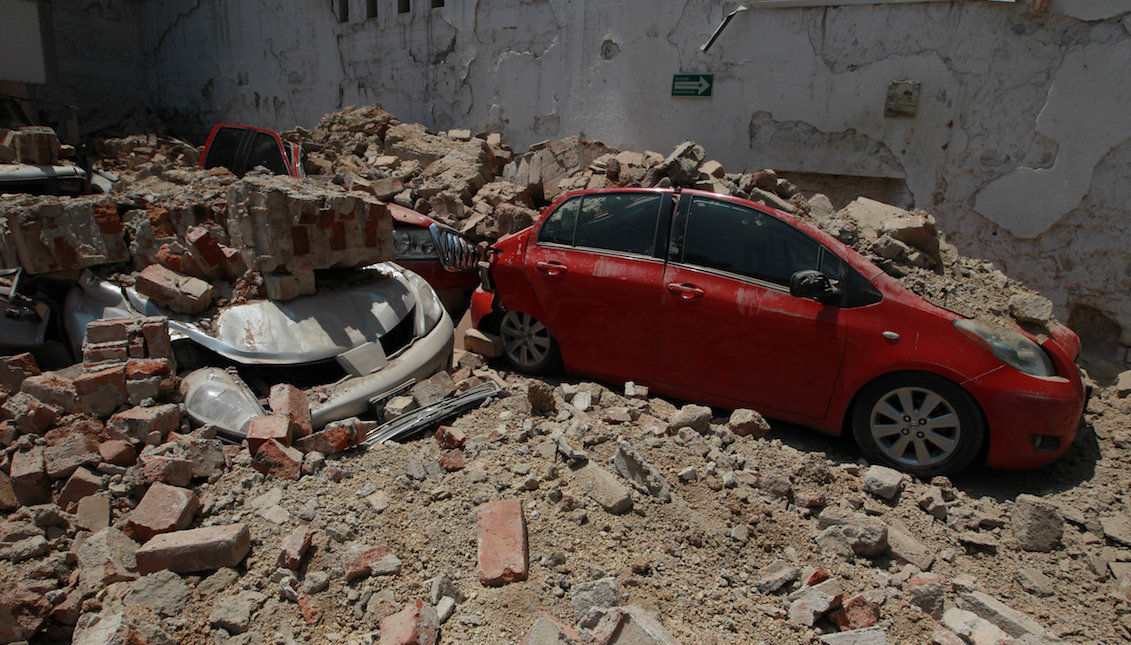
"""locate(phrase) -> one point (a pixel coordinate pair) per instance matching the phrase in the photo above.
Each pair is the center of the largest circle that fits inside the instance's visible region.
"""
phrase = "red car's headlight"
(1009, 346)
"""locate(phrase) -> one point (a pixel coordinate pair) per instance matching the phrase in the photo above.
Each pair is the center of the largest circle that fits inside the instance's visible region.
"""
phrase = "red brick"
(99, 354)
(118, 452)
(289, 401)
(82, 483)
(93, 513)
(360, 562)
(147, 368)
(163, 509)
(156, 334)
(161, 223)
(29, 415)
(333, 439)
(277, 460)
(109, 223)
(108, 330)
(194, 550)
(8, 501)
(416, 624)
(815, 576)
(179, 292)
(452, 460)
(311, 612)
(206, 246)
(53, 390)
(135, 347)
(14, 369)
(138, 422)
(263, 428)
(295, 547)
(63, 459)
(29, 479)
(448, 437)
(92, 428)
(169, 470)
(103, 391)
(503, 553)
(856, 613)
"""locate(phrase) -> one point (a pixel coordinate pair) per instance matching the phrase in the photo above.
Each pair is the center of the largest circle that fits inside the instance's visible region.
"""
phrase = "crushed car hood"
(266, 332)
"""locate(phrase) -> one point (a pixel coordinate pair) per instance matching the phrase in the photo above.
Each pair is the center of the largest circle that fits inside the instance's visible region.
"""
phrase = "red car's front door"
(595, 271)
(729, 327)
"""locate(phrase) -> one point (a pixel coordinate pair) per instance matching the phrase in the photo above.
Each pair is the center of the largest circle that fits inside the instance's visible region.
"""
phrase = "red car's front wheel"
(919, 423)
(527, 344)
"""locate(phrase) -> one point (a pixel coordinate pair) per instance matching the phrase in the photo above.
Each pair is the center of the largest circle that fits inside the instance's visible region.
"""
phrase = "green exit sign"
(693, 84)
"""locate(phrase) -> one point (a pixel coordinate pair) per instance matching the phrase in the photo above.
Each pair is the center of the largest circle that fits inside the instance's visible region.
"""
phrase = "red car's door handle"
(685, 290)
(551, 268)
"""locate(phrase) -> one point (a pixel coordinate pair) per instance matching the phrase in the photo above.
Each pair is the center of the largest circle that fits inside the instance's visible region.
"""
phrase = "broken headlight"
(414, 244)
(1011, 347)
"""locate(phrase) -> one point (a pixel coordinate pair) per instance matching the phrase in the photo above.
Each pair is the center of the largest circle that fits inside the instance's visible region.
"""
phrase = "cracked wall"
(1019, 143)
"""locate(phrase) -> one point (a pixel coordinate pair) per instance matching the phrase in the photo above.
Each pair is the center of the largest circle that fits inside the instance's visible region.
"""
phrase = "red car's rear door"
(595, 266)
(729, 327)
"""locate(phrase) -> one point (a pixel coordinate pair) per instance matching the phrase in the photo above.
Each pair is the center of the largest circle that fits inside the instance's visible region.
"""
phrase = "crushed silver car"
(365, 333)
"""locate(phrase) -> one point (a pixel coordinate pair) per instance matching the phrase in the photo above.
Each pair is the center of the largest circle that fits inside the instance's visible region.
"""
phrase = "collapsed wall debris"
(718, 527)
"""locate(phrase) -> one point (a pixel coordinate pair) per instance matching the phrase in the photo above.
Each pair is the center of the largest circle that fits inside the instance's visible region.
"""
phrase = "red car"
(723, 301)
(439, 254)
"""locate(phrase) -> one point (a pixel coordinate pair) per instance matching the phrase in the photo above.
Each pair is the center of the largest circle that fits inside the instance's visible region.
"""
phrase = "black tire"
(528, 346)
(942, 434)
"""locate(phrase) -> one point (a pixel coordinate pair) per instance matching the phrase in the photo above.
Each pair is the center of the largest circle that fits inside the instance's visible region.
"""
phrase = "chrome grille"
(457, 253)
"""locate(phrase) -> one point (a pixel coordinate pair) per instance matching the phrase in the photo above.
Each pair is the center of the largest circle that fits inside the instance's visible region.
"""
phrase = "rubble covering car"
(720, 300)
(381, 328)
(442, 256)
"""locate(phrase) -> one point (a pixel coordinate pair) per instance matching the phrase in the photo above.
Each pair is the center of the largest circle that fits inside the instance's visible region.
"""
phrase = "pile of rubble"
(557, 514)
(561, 513)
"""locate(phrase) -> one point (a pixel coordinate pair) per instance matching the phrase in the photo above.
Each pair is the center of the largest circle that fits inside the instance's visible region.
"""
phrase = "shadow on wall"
(1101, 351)
(843, 189)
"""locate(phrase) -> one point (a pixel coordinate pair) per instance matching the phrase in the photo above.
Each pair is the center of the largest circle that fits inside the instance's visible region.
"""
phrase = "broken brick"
(29, 415)
(65, 458)
(416, 624)
(502, 542)
(148, 368)
(333, 439)
(262, 428)
(163, 509)
(104, 391)
(118, 452)
(140, 422)
(169, 470)
(277, 460)
(192, 550)
(176, 291)
(289, 401)
(8, 501)
(295, 547)
(452, 460)
(108, 330)
(14, 369)
(53, 390)
(450, 438)
(82, 483)
(29, 479)
(360, 564)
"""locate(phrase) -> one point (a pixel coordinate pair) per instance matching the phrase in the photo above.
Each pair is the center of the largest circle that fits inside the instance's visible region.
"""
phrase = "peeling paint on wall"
(1015, 145)
(1086, 115)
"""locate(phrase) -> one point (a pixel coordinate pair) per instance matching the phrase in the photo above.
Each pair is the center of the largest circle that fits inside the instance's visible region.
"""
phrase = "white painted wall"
(1020, 145)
